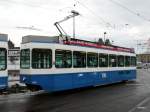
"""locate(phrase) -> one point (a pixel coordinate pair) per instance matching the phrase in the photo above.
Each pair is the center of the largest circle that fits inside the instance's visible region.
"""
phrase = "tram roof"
(3, 37)
(72, 41)
(41, 39)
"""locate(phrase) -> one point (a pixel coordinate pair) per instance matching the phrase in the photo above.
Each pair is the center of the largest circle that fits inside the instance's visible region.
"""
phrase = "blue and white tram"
(3, 61)
(53, 66)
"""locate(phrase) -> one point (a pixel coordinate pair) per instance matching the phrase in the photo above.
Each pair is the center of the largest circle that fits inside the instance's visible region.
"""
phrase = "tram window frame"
(4, 59)
(103, 57)
(127, 61)
(46, 63)
(110, 60)
(27, 59)
(83, 55)
(133, 61)
(91, 55)
(118, 61)
(65, 63)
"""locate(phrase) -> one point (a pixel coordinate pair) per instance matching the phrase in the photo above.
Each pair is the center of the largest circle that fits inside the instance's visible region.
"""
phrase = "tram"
(3, 61)
(53, 64)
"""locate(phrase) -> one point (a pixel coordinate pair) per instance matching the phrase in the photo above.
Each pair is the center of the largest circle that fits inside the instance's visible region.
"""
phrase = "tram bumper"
(3, 82)
(40, 82)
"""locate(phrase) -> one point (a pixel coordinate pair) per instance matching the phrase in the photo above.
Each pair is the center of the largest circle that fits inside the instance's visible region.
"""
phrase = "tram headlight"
(24, 78)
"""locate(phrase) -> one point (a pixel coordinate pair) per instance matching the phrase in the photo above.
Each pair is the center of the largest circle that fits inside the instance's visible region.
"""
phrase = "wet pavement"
(133, 96)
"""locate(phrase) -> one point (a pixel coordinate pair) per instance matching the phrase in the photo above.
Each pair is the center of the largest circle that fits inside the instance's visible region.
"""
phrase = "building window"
(120, 61)
(41, 58)
(103, 60)
(133, 61)
(92, 59)
(63, 59)
(25, 59)
(112, 60)
(3, 58)
(127, 61)
(79, 59)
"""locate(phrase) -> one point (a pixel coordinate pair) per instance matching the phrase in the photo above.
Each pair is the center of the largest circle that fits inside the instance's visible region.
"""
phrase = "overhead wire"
(24, 3)
(129, 10)
(79, 2)
(93, 13)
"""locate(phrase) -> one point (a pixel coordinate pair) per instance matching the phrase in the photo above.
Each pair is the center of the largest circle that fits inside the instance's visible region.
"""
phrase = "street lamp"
(104, 36)
(75, 13)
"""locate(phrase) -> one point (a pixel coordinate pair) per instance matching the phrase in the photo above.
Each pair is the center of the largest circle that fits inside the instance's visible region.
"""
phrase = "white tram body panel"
(54, 70)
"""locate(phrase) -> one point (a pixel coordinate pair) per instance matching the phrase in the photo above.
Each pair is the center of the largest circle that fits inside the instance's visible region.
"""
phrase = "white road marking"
(139, 105)
(141, 108)
(135, 84)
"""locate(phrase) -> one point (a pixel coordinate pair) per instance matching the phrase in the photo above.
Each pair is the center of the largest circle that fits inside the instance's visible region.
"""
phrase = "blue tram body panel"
(62, 82)
(3, 82)
(57, 82)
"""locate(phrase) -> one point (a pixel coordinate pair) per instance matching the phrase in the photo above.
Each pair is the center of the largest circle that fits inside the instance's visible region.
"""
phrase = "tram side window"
(3, 58)
(120, 61)
(63, 59)
(112, 60)
(25, 59)
(103, 60)
(133, 61)
(127, 61)
(41, 58)
(92, 59)
(79, 59)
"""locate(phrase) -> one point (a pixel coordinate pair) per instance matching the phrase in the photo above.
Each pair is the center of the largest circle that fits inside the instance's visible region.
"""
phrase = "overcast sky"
(125, 21)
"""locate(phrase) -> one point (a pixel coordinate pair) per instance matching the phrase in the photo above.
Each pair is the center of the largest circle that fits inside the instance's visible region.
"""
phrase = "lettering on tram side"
(80, 75)
(34, 82)
(104, 75)
(2, 85)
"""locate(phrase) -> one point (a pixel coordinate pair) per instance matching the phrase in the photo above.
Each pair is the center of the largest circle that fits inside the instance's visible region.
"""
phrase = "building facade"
(13, 61)
(144, 57)
(13, 64)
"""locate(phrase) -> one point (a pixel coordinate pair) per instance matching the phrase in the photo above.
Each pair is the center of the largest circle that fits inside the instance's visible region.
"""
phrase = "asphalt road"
(123, 97)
